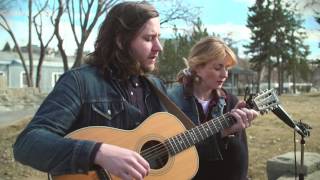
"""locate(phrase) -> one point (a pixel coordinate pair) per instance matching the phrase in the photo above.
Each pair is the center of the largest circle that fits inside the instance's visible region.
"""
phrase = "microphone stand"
(301, 171)
(301, 128)
(305, 128)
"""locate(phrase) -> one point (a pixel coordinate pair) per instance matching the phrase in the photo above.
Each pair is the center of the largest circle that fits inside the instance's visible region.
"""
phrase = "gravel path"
(11, 117)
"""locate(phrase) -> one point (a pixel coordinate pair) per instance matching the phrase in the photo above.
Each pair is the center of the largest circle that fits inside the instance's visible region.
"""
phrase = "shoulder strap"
(172, 108)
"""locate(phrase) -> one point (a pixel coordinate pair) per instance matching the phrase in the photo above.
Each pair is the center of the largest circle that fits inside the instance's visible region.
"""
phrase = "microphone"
(284, 116)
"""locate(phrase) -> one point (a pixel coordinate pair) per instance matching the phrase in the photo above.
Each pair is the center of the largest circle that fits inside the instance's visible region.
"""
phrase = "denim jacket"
(228, 156)
(209, 149)
(82, 97)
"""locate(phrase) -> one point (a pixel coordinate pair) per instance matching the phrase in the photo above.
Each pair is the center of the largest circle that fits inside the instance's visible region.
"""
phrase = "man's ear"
(119, 44)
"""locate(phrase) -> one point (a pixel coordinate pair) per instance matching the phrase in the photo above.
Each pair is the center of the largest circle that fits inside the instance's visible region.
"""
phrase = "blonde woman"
(201, 96)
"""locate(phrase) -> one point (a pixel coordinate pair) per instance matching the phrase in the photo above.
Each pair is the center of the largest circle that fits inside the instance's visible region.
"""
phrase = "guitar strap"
(172, 108)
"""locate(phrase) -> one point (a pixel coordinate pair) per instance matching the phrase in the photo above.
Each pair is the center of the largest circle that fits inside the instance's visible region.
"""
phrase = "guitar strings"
(148, 153)
(162, 149)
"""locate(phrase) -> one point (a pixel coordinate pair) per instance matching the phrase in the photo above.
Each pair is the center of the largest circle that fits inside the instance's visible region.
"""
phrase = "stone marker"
(284, 165)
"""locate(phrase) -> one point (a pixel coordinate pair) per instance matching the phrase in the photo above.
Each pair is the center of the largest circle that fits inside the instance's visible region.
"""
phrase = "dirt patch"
(16, 102)
(9, 169)
(268, 137)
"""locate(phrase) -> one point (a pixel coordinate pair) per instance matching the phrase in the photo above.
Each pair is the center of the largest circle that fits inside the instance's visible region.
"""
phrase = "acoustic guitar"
(164, 142)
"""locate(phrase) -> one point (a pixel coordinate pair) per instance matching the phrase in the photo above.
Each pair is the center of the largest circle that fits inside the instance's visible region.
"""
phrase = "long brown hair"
(120, 26)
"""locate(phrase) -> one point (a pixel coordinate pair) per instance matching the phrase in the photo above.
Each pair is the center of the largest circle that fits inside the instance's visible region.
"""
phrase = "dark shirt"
(134, 93)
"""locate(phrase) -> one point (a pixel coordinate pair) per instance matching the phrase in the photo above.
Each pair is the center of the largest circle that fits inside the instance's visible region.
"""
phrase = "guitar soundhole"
(155, 153)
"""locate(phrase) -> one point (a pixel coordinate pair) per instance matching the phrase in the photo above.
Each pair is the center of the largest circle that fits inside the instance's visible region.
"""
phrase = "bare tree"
(178, 10)
(5, 8)
(38, 24)
(56, 23)
(4, 24)
(84, 14)
(85, 9)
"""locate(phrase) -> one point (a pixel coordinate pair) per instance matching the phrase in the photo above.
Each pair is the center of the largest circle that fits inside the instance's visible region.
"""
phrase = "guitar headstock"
(264, 101)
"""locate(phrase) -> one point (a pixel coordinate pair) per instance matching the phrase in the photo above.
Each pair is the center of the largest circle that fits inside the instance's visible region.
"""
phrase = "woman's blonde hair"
(206, 50)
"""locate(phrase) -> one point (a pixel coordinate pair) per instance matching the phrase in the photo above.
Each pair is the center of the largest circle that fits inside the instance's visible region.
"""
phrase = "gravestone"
(284, 165)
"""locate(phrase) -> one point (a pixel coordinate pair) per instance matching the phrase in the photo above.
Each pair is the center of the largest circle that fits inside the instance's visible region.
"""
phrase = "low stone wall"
(19, 98)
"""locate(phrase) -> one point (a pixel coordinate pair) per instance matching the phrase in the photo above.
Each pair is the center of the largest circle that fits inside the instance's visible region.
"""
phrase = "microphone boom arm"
(284, 116)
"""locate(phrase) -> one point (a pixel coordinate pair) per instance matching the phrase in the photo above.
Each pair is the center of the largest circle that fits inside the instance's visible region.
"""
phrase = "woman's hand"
(122, 162)
(243, 117)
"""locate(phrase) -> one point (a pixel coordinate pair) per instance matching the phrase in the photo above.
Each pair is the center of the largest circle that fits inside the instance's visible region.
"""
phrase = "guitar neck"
(197, 134)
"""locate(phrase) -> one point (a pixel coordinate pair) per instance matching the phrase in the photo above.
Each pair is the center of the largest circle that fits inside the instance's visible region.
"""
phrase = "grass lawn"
(268, 137)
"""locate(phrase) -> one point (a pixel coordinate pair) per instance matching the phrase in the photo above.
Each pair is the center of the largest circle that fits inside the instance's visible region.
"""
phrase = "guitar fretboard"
(197, 134)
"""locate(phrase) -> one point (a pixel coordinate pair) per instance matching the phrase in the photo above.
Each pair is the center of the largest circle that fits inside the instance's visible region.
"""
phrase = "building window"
(23, 80)
(55, 77)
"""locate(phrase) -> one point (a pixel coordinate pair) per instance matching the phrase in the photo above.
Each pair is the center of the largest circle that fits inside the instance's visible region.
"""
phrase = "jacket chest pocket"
(107, 113)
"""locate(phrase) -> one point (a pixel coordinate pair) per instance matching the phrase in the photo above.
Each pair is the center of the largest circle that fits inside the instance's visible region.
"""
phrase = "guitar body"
(154, 130)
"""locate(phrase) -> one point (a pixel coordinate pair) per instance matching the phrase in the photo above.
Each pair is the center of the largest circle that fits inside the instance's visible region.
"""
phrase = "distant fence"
(288, 87)
(240, 90)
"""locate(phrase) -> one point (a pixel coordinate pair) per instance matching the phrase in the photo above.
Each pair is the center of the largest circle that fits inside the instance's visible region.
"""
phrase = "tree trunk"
(22, 58)
(30, 84)
(294, 76)
(258, 80)
(281, 76)
(269, 73)
(79, 60)
(57, 34)
(63, 55)
(39, 74)
(4, 24)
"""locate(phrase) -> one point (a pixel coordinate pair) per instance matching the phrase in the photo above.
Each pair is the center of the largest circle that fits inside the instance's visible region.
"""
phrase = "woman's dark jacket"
(220, 158)
(82, 97)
